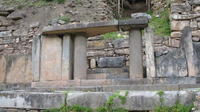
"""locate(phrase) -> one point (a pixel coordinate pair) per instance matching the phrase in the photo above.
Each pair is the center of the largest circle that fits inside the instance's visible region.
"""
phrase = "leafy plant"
(175, 108)
(66, 19)
(161, 23)
(108, 107)
(113, 35)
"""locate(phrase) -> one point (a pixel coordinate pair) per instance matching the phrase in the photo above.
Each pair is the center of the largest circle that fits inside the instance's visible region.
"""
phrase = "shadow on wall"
(15, 69)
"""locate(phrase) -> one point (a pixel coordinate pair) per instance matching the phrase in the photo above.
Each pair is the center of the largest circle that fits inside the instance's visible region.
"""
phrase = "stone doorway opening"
(134, 6)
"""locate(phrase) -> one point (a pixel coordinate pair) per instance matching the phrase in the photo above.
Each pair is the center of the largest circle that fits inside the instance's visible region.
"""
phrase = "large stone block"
(51, 54)
(2, 69)
(100, 44)
(121, 43)
(111, 62)
(179, 25)
(18, 69)
(172, 64)
(180, 7)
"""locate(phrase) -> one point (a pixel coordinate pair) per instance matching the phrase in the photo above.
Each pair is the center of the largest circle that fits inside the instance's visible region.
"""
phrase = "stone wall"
(107, 53)
(16, 69)
(185, 13)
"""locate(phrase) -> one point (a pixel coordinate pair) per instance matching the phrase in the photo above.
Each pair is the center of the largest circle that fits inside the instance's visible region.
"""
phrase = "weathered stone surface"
(189, 50)
(80, 57)
(98, 28)
(2, 69)
(5, 34)
(93, 53)
(3, 28)
(121, 43)
(196, 39)
(16, 15)
(100, 44)
(176, 34)
(18, 69)
(175, 43)
(136, 55)
(67, 57)
(4, 13)
(180, 7)
(173, 64)
(124, 51)
(179, 25)
(111, 62)
(193, 24)
(93, 63)
(136, 100)
(194, 2)
(196, 33)
(197, 9)
(21, 32)
(141, 16)
(6, 8)
(184, 16)
(51, 61)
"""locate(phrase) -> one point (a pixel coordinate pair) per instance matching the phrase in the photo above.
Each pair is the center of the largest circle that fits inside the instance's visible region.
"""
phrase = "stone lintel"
(97, 28)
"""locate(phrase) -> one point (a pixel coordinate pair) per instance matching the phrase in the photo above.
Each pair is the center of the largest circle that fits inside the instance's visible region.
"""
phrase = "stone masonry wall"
(185, 13)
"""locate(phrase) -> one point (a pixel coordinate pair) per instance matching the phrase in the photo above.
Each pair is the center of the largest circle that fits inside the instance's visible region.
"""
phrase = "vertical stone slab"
(36, 48)
(2, 69)
(51, 57)
(136, 56)
(67, 57)
(149, 50)
(188, 49)
(80, 59)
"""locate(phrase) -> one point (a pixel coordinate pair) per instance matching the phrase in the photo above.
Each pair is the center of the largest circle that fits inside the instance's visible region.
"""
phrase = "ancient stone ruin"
(40, 62)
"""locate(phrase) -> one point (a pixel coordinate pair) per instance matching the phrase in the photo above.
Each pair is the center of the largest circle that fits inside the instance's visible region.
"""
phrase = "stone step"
(108, 76)
(108, 70)
(136, 100)
(108, 88)
(111, 82)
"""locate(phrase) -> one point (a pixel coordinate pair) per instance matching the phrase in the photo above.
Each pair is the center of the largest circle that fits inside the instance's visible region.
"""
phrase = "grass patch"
(66, 19)
(161, 24)
(113, 35)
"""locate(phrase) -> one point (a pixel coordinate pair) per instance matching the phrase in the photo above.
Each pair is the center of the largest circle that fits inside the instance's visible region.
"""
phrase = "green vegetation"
(108, 107)
(37, 3)
(113, 35)
(175, 108)
(66, 19)
(161, 24)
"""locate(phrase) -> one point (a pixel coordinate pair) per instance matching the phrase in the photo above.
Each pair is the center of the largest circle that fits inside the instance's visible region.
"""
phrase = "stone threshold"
(136, 100)
(107, 82)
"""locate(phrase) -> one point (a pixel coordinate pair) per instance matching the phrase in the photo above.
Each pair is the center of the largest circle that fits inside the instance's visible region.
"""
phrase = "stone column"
(149, 51)
(67, 57)
(136, 55)
(80, 56)
(190, 54)
(36, 54)
(51, 58)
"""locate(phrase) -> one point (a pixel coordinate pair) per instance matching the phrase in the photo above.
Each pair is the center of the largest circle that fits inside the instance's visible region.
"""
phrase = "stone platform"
(136, 100)
(106, 82)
